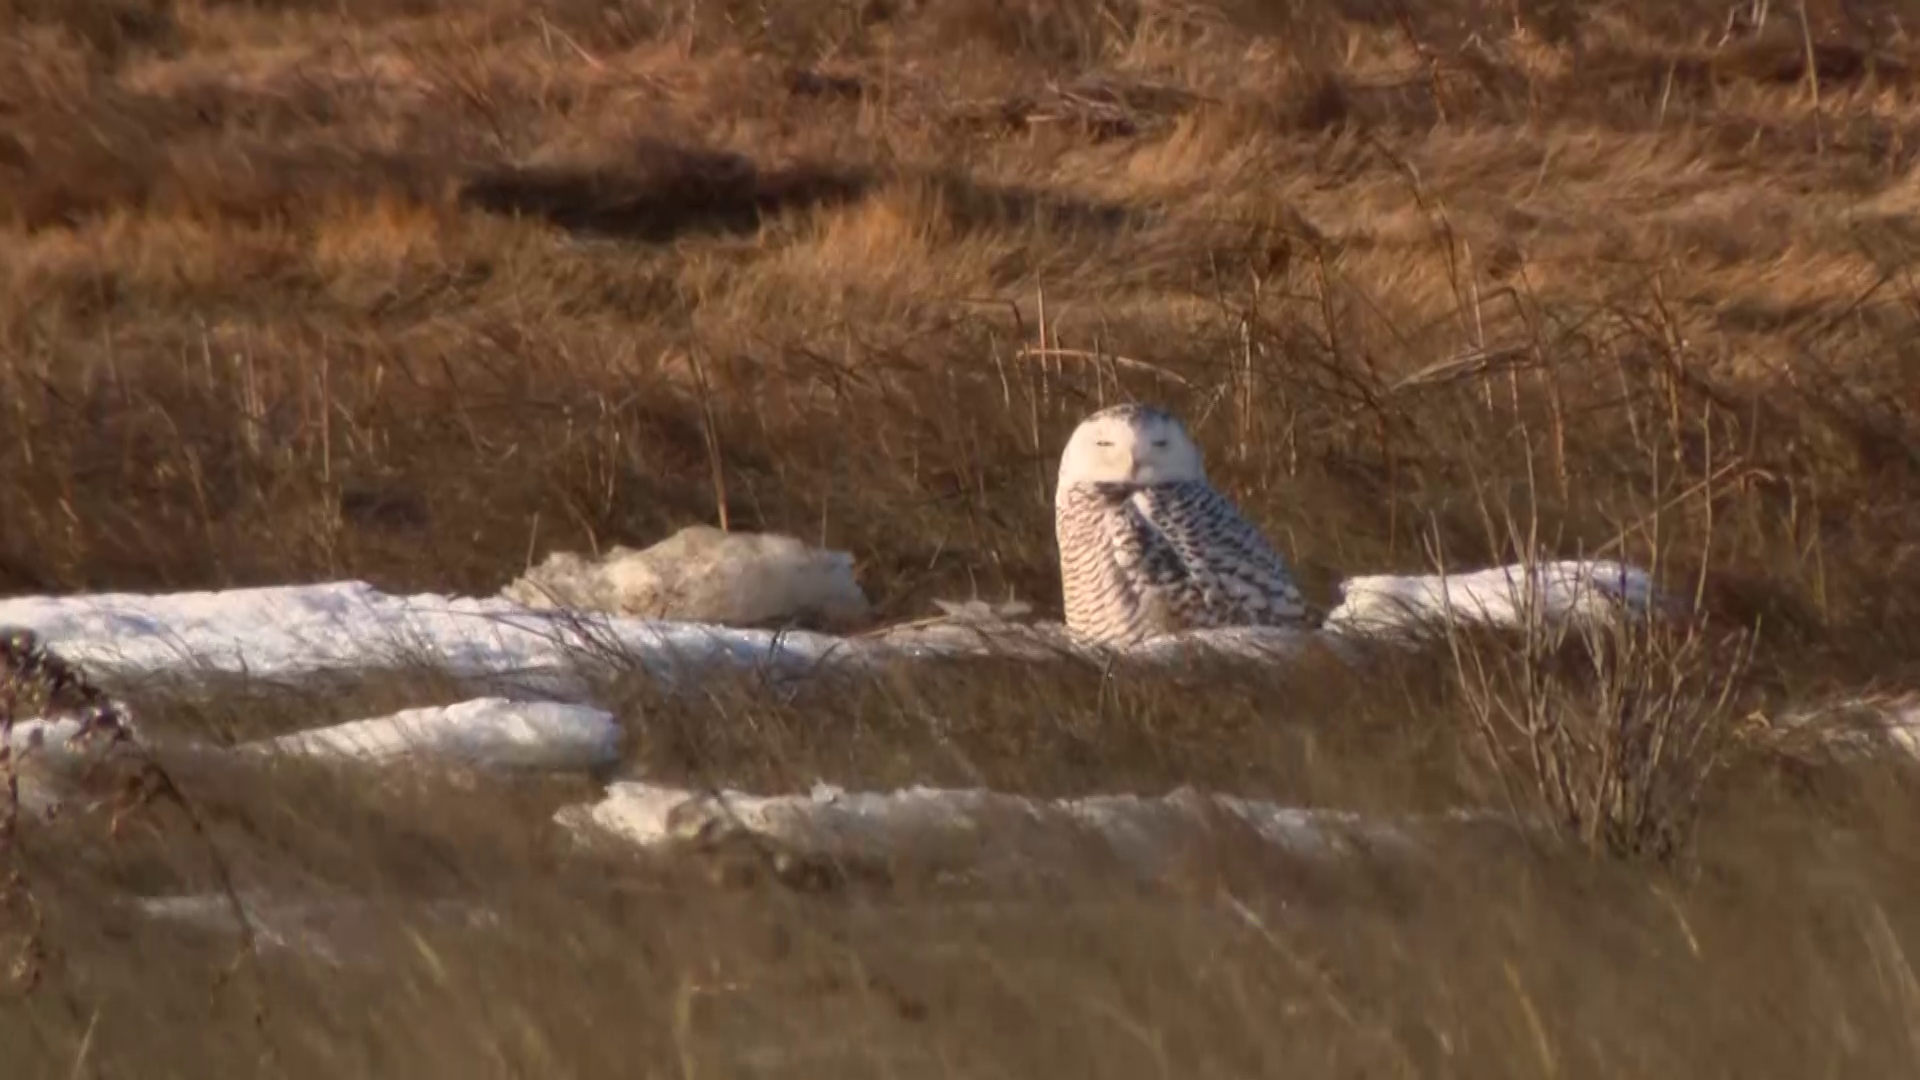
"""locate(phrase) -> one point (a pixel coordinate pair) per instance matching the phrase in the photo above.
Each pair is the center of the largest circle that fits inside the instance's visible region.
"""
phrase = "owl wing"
(1145, 554)
(1229, 571)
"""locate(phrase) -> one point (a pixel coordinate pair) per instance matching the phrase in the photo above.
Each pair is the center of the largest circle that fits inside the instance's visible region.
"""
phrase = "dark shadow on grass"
(975, 206)
(109, 28)
(664, 191)
(661, 192)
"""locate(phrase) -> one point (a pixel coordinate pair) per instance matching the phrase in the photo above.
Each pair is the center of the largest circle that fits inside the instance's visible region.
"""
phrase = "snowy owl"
(1148, 547)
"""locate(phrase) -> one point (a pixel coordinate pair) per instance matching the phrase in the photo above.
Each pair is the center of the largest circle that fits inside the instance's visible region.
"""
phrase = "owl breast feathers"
(1138, 560)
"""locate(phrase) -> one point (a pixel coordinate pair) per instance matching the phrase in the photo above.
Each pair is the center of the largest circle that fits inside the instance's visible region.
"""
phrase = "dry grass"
(416, 293)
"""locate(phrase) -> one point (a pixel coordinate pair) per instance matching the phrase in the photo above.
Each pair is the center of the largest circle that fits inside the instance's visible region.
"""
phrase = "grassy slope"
(370, 288)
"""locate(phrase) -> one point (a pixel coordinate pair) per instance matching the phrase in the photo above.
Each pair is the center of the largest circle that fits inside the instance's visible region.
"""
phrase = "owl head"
(1130, 444)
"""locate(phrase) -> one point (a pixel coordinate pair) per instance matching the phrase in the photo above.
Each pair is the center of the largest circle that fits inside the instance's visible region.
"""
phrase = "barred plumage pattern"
(1138, 559)
(1141, 561)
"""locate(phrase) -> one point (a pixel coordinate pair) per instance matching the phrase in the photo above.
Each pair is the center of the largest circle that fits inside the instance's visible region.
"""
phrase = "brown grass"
(417, 293)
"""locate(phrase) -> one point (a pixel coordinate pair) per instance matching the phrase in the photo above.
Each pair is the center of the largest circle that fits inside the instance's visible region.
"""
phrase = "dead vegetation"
(419, 293)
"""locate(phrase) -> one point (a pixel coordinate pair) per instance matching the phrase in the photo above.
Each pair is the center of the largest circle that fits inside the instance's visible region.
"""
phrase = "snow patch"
(1556, 592)
(286, 632)
(491, 732)
(701, 574)
(46, 754)
(298, 630)
(336, 929)
(1146, 832)
(1862, 725)
(54, 739)
(293, 630)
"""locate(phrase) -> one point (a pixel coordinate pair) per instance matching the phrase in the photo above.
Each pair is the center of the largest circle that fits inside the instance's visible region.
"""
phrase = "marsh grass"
(1486, 951)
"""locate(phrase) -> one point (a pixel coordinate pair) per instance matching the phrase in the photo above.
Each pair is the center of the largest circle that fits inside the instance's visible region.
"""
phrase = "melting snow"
(703, 574)
(294, 630)
(290, 631)
(1144, 832)
(337, 929)
(486, 731)
(300, 630)
(1590, 592)
(49, 738)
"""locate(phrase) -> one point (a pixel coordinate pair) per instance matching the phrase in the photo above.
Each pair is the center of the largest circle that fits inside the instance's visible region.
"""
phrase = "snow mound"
(1861, 725)
(47, 755)
(1380, 607)
(296, 630)
(289, 631)
(59, 739)
(337, 929)
(1558, 593)
(972, 637)
(489, 732)
(1255, 643)
(701, 574)
(990, 828)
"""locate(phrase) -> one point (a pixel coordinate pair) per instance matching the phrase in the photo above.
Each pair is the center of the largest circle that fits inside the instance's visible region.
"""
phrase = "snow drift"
(296, 630)
(987, 830)
(701, 574)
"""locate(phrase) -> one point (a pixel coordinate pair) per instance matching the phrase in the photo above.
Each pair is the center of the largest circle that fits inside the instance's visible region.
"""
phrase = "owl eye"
(1104, 442)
